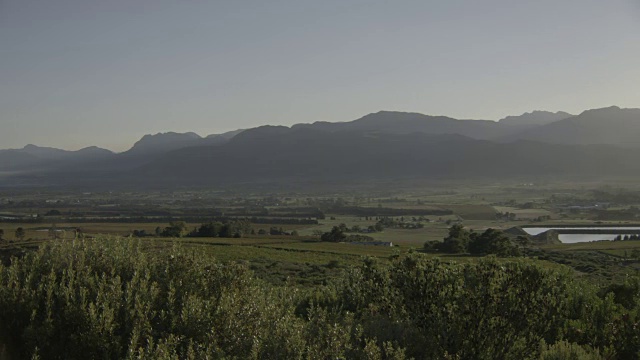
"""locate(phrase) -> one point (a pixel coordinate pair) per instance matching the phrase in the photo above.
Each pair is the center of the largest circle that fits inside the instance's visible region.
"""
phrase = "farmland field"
(284, 243)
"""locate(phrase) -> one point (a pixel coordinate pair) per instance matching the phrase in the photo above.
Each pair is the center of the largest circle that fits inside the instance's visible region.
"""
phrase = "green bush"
(563, 350)
(124, 299)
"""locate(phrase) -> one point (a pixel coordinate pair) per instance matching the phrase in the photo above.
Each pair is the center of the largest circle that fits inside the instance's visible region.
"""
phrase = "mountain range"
(382, 145)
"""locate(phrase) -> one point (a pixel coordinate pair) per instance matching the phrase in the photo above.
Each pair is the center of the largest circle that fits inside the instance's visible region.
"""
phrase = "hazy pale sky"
(75, 73)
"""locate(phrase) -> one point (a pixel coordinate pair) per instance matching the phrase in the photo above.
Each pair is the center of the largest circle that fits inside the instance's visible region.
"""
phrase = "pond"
(578, 238)
(586, 237)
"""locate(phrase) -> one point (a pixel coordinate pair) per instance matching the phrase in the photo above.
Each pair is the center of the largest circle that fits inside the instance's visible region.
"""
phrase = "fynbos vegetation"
(115, 298)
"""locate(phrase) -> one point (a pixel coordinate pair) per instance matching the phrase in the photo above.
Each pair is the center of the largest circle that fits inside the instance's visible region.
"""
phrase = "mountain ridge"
(376, 146)
(536, 117)
(364, 123)
(611, 125)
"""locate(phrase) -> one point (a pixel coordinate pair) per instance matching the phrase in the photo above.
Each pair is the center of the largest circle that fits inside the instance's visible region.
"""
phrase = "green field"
(473, 206)
(378, 298)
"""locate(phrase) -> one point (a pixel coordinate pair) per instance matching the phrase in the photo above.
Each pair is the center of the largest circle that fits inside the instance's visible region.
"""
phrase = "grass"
(524, 213)
(120, 229)
(601, 262)
(597, 246)
(298, 257)
(335, 248)
(473, 212)
(412, 237)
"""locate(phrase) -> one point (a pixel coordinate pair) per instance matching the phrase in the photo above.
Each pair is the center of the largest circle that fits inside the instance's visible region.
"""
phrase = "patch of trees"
(542, 218)
(399, 223)
(284, 221)
(295, 212)
(140, 233)
(227, 229)
(359, 238)
(338, 234)
(175, 229)
(191, 219)
(101, 299)
(20, 233)
(506, 216)
(382, 211)
(274, 230)
(384, 222)
(461, 240)
(377, 227)
(335, 235)
(223, 229)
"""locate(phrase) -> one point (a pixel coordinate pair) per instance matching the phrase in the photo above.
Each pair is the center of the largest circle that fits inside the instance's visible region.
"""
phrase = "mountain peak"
(163, 142)
(611, 125)
(94, 149)
(172, 134)
(31, 147)
(535, 118)
(600, 111)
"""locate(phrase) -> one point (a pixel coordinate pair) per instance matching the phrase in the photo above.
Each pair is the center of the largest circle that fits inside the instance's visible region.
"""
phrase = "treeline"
(461, 240)
(227, 229)
(143, 219)
(383, 211)
(400, 223)
(111, 299)
(337, 234)
(629, 214)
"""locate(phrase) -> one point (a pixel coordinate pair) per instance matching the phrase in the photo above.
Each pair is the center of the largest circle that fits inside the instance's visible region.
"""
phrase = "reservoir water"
(577, 238)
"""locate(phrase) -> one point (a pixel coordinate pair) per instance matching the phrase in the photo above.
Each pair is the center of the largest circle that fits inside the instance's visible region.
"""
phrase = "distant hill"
(535, 118)
(48, 153)
(278, 154)
(611, 126)
(45, 157)
(163, 142)
(394, 122)
(16, 159)
(380, 146)
(216, 139)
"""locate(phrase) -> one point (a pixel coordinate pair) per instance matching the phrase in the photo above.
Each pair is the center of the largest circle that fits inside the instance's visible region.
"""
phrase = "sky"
(76, 73)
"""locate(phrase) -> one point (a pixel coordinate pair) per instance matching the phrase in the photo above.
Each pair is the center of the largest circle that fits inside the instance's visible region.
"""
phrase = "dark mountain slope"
(48, 153)
(33, 157)
(216, 139)
(163, 142)
(151, 145)
(406, 123)
(535, 118)
(307, 155)
(16, 159)
(613, 126)
(284, 156)
(381, 146)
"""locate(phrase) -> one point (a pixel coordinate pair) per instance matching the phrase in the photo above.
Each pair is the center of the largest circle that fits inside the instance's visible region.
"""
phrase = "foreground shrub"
(110, 299)
(123, 299)
(489, 309)
(568, 351)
